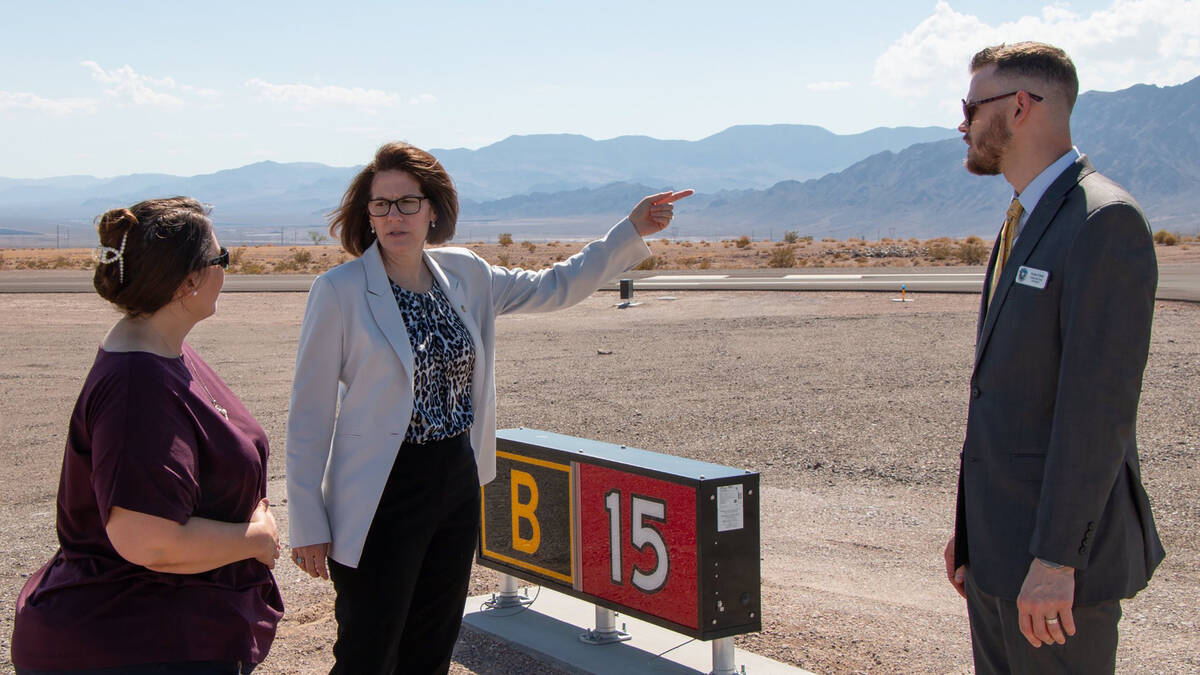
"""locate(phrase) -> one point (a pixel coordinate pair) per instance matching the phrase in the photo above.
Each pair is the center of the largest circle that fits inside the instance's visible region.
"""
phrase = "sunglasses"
(222, 260)
(970, 106)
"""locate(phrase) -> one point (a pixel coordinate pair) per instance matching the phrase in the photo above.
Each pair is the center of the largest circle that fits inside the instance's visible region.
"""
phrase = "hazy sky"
(109, 88)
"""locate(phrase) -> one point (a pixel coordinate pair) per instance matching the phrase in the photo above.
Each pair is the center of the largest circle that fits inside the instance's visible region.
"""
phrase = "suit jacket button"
(975, 393)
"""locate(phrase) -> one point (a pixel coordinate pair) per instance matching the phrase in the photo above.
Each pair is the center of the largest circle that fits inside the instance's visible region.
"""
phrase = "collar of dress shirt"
(1038, 186)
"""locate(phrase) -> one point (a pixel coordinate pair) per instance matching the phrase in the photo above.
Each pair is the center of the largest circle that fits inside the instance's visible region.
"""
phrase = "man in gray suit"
(1053, 527)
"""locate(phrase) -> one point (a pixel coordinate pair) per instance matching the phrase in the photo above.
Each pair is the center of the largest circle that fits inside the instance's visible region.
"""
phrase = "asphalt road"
(1175, 282)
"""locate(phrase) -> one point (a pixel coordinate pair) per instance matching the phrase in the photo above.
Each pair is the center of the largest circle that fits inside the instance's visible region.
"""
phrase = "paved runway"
(1176, 282)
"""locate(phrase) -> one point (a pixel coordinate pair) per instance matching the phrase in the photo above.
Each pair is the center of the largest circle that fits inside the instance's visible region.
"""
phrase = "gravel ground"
(850, 406)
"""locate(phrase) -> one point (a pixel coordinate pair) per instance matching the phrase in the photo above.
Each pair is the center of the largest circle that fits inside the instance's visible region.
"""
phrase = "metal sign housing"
(670, 540)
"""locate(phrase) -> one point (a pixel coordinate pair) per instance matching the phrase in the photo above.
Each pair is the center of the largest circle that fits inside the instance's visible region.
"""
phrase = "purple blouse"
(146, 436)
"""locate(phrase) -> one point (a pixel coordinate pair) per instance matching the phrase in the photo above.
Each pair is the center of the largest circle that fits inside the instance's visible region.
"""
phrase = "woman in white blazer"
(392, 423)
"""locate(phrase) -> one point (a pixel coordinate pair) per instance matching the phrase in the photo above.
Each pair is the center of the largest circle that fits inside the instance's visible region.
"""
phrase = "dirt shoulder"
(851, 407)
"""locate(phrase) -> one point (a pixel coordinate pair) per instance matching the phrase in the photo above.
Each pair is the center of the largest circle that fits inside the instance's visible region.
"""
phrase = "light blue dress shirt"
(1038, 186)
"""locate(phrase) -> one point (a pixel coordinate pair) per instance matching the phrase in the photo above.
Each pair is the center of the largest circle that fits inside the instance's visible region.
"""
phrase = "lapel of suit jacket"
(983, 297)
(1039, 221)
(456, 293)
(385, 309)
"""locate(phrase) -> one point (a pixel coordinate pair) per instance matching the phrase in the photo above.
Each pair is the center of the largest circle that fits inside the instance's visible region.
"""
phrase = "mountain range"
(1147, 138)
(270, 194)
(755, 179)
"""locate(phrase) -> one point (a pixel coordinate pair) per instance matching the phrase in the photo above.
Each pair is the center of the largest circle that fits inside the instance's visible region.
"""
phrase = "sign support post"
(509, 595)
(723, 657)
(605, 631)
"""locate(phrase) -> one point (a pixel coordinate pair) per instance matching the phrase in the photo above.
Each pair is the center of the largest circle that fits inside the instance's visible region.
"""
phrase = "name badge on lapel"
(1035, 278)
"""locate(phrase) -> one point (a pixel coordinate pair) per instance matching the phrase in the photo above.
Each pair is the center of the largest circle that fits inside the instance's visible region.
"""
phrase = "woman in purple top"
(166, 540)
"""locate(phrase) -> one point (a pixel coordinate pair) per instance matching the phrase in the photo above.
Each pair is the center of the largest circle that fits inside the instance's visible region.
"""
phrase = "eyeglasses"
(970, 106)
(222, 260)
(406, 205)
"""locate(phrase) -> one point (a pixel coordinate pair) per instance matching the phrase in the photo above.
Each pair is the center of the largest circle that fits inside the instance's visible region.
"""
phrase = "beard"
(985, 152)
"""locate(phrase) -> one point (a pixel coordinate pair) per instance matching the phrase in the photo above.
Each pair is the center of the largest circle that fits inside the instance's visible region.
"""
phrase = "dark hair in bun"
(148, 249)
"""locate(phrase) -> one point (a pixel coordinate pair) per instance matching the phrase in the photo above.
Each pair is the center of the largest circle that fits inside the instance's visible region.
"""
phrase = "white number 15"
(646, 513)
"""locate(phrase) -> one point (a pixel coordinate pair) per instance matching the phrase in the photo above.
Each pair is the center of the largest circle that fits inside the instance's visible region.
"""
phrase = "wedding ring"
(1053, 619)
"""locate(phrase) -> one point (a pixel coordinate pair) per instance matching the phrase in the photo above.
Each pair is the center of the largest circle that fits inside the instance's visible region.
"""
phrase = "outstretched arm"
(570, 281)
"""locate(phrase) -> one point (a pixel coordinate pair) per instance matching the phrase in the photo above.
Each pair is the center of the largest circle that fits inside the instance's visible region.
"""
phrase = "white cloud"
(1129, 42)
(202, 92)
(19, 100)
(827, 86)
(307, 95)
(935, 51)
(122, 83)
(422, 99)
(125, 84)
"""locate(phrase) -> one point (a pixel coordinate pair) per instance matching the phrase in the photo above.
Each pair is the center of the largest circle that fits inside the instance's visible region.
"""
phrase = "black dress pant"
(999, 646)
(400, 610)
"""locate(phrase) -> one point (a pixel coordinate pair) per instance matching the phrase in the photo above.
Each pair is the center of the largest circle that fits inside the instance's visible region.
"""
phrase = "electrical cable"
(490, 605)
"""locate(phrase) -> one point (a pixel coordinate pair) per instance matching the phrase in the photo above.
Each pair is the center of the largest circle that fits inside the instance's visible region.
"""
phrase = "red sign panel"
(638, 542)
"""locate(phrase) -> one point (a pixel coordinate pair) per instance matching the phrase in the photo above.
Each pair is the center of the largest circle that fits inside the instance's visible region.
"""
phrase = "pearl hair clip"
(106, 255)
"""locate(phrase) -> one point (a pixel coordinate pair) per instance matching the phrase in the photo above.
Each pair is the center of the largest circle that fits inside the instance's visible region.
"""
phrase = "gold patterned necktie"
(1012, 221)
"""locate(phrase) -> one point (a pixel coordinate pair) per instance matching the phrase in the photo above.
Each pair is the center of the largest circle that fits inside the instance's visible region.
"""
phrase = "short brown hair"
(1035, 60)
(350, 222)
(154, 245)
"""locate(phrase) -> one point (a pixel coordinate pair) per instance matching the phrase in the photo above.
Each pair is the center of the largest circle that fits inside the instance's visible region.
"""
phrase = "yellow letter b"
(525, 512)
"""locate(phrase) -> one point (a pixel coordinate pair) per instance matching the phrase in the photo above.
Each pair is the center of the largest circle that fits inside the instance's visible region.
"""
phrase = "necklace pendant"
(212, 399)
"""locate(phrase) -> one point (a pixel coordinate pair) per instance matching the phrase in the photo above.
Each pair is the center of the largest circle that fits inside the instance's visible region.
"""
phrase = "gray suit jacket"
(352, 395)
(1050, 462)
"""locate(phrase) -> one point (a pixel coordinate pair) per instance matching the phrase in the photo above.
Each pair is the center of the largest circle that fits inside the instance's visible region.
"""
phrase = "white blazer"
(352, 396)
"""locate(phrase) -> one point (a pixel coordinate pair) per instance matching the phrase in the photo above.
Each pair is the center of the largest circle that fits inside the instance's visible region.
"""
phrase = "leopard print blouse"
(444, 357)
